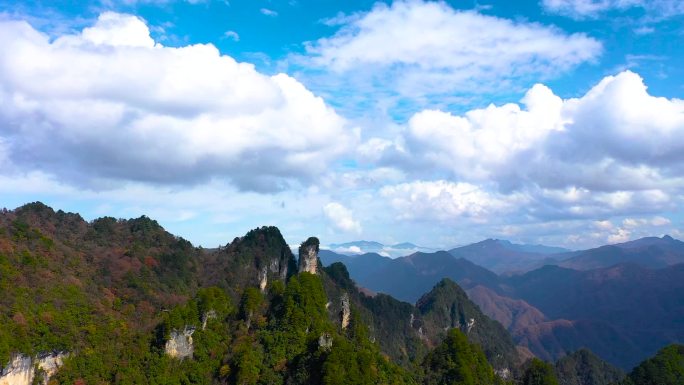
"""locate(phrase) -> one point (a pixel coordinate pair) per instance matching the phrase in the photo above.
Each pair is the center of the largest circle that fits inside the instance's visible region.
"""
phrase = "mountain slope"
(502, 256)
(651, 252)
(447, 306)
(584, 368)
(408, 277)
(628, 311)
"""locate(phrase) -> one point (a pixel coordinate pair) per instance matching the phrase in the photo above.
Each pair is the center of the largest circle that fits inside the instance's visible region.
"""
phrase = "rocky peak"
(308, 255)
(346, 311)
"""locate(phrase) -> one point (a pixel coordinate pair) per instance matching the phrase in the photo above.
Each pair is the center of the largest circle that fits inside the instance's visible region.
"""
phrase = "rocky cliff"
(308, 256)
(24, 370)
(180, 343)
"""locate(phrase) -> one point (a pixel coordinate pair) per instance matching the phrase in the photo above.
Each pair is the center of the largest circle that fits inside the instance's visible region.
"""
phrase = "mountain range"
(554, 308)
(123, 301)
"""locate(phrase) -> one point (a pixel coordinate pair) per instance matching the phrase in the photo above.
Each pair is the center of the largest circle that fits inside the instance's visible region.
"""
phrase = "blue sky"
(438, 123)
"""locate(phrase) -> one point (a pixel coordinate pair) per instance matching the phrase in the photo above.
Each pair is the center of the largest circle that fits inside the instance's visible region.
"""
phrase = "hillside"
(124, 301)
(81, 294)
(553, 310)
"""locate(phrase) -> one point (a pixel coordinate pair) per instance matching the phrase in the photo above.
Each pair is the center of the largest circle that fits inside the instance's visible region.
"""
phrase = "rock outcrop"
(211, 314)
(180, 343)
(263, 279)
(346, 311)
(21, 369)
(325, 341)
(308, 256)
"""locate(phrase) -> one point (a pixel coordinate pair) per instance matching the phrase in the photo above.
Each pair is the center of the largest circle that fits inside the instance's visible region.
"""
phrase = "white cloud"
(111, 104)
(447, 201)
(268, 12)
(232, 35)
(619, 236)
(341, 218)
(616, 151)
(425, 48)
(581, 9)
(615, 139)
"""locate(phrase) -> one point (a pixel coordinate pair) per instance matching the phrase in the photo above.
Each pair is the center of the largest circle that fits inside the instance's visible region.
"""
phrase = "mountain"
(447, 306)
(665, 368)
(364, 247)
(406, 278)
(515, 315)
(624, 313)
(552, 310)
(502, 256)
(362, 267)
(584, 368)
(124, 301)
(651, 252)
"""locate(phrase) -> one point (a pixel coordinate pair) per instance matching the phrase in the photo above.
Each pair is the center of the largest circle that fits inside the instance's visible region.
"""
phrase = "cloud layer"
(581, 9)
(420, 48)
(614, 151)
(107, 114)
(110, 104)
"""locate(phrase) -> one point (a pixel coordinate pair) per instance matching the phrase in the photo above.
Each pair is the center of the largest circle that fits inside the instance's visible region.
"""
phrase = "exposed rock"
(346, 311)
(469, 325)
(308, 256)
(263, 279)
(18, 372)
(325, 341)
(211, 314)
(21, 369)
(49, 363)
(180, 344)
(504, 374)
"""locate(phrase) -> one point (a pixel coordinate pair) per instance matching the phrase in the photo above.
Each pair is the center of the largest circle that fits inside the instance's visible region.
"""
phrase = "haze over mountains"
(363, 247)
(550, 299)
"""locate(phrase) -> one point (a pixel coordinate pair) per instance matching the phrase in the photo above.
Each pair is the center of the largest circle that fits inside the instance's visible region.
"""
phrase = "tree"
(539, 372)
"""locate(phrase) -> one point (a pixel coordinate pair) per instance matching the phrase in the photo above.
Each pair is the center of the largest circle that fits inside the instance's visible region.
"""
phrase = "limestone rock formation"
(180, 343)
(325, 341)
(21, 369)
(308, 256)
(263, 279)
(346, 312)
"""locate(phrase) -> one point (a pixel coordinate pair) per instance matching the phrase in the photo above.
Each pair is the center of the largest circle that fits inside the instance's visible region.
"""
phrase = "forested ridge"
(110, 294)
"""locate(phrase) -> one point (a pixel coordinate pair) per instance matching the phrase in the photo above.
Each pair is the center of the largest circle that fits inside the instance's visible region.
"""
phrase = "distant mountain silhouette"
(624, 312)
(363, 247)
(652, 252)
(502, 256)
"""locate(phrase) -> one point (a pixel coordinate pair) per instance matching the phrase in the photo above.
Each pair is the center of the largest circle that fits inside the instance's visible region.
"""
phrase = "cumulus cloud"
(447, 201)
(341, 218)
(424, 48)
(614, 151)
(110, 104)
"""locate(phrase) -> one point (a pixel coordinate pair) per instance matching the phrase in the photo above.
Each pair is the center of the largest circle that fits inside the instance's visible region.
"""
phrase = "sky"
(557, 122)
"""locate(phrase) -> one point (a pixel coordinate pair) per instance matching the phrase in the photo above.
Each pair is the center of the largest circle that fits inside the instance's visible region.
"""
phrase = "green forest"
(110, 294)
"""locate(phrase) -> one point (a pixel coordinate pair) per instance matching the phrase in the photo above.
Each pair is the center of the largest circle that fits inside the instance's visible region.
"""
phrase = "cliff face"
(256, 259)
(346, 311)
(308, 256)
(21, 369)
(180, 343)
